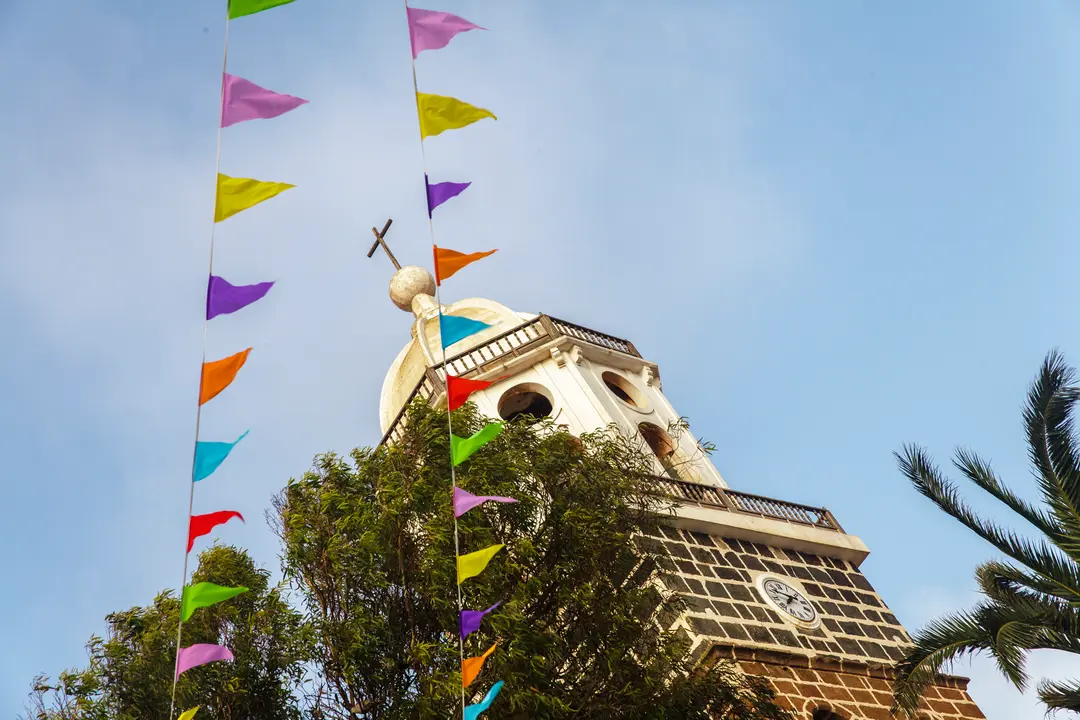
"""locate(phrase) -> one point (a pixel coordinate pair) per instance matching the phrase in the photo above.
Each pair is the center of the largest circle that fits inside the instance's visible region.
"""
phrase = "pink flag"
(433, 29)
(244, 100)
(200, 654)
(466, 501)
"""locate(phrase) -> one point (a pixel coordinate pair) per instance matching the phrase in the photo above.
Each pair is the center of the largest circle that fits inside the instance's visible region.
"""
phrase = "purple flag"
(433, 29)
(244, 100)
(223, 298)
(439, 193)
(471, 619)
(200, 654)
(466, 501)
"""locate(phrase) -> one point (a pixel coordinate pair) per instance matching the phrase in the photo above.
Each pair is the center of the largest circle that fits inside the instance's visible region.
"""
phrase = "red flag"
(203, 524)
(459, 389)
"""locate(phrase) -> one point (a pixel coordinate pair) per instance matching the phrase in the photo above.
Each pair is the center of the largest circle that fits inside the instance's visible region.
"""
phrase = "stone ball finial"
(408, 283)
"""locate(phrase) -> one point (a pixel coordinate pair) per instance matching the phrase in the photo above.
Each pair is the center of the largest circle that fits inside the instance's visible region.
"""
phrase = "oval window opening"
(529, 401)
(662, 447)
(623, 389)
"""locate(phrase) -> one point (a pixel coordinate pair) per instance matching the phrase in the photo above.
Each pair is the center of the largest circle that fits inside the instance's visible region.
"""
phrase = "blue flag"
(453, 328)
(473, 711)
(209, 455)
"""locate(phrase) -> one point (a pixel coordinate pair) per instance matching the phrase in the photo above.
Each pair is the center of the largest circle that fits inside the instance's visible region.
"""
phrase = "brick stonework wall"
(853, 691)
(716, 576)
(843, 664)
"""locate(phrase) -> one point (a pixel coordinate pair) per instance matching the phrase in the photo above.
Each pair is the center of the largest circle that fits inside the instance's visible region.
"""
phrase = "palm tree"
(1032, 601)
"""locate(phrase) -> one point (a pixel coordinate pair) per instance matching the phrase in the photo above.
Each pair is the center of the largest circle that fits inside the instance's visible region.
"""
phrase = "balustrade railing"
(521, 339)
(747, 504)
(511, 344)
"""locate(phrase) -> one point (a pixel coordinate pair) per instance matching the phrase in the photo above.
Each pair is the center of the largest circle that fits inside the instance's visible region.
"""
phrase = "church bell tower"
(774, 586)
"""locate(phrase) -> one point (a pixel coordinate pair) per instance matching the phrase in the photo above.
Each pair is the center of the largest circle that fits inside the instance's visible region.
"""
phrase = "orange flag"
(219, 374)
(471, 668)
(448, 262)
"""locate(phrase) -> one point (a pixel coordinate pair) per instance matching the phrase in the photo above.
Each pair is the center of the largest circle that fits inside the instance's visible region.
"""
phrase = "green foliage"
(1032, 601)
(369, 546)
(129, 676)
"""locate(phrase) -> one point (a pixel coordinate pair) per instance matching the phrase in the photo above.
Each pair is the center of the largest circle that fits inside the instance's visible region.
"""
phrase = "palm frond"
(1013, 631)
(979, 472)
(1039, 556)
(1033, 599)
(1060, 695)
(936, 647)
(1003, 583)
(1048, 419)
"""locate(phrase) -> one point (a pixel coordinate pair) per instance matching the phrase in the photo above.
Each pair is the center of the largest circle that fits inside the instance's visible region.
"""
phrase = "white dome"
(425, 349)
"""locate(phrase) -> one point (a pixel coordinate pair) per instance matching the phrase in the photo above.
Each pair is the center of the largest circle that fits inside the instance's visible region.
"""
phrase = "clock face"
(789, 600)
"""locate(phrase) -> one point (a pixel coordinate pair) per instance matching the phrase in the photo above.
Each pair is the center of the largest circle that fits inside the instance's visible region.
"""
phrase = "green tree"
(369, 546)
(130, 670)
(1031, 600)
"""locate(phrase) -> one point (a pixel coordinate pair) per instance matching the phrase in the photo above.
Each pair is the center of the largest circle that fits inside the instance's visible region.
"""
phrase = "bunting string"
(241, 101)
(198, 409)
(433, 30)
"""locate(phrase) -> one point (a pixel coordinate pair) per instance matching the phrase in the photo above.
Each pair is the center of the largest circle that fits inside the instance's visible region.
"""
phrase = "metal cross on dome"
(380, 239)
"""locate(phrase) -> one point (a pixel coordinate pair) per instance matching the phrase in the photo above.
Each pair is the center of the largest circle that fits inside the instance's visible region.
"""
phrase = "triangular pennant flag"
(471, 619)
(439, 193)
(433, 29)
(244, 100)
(240, 8)
(205, 594)
(448, 262)
(439, 113)
(470, 667)
(210, 455)
(200, 654)
(466, 501)
(202, 524)
(188, 714)
(223, 298)
(459, 389)
(238, 194)
(473, 711)
(462, 448)
(474, 563)
(454, 328)
(219, 374)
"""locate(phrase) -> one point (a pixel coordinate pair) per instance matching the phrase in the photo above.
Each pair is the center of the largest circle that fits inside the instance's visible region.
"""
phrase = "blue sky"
(837, 227)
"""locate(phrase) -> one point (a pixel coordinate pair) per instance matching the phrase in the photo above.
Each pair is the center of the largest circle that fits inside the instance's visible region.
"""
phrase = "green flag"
(462, 448)
(240, 8)
(205, 594)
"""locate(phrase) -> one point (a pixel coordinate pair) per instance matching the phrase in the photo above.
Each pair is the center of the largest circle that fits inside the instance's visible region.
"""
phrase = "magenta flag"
(244, 100)
(433, 29)
(223, 298)
(466, 501)
(439, 193)
(200, 654)
(471, 619)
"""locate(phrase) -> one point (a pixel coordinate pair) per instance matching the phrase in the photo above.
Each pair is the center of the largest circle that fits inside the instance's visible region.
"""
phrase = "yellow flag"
(470, 667)
(438, 113)
(238, 194)
(473, 564)
(188, 714)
